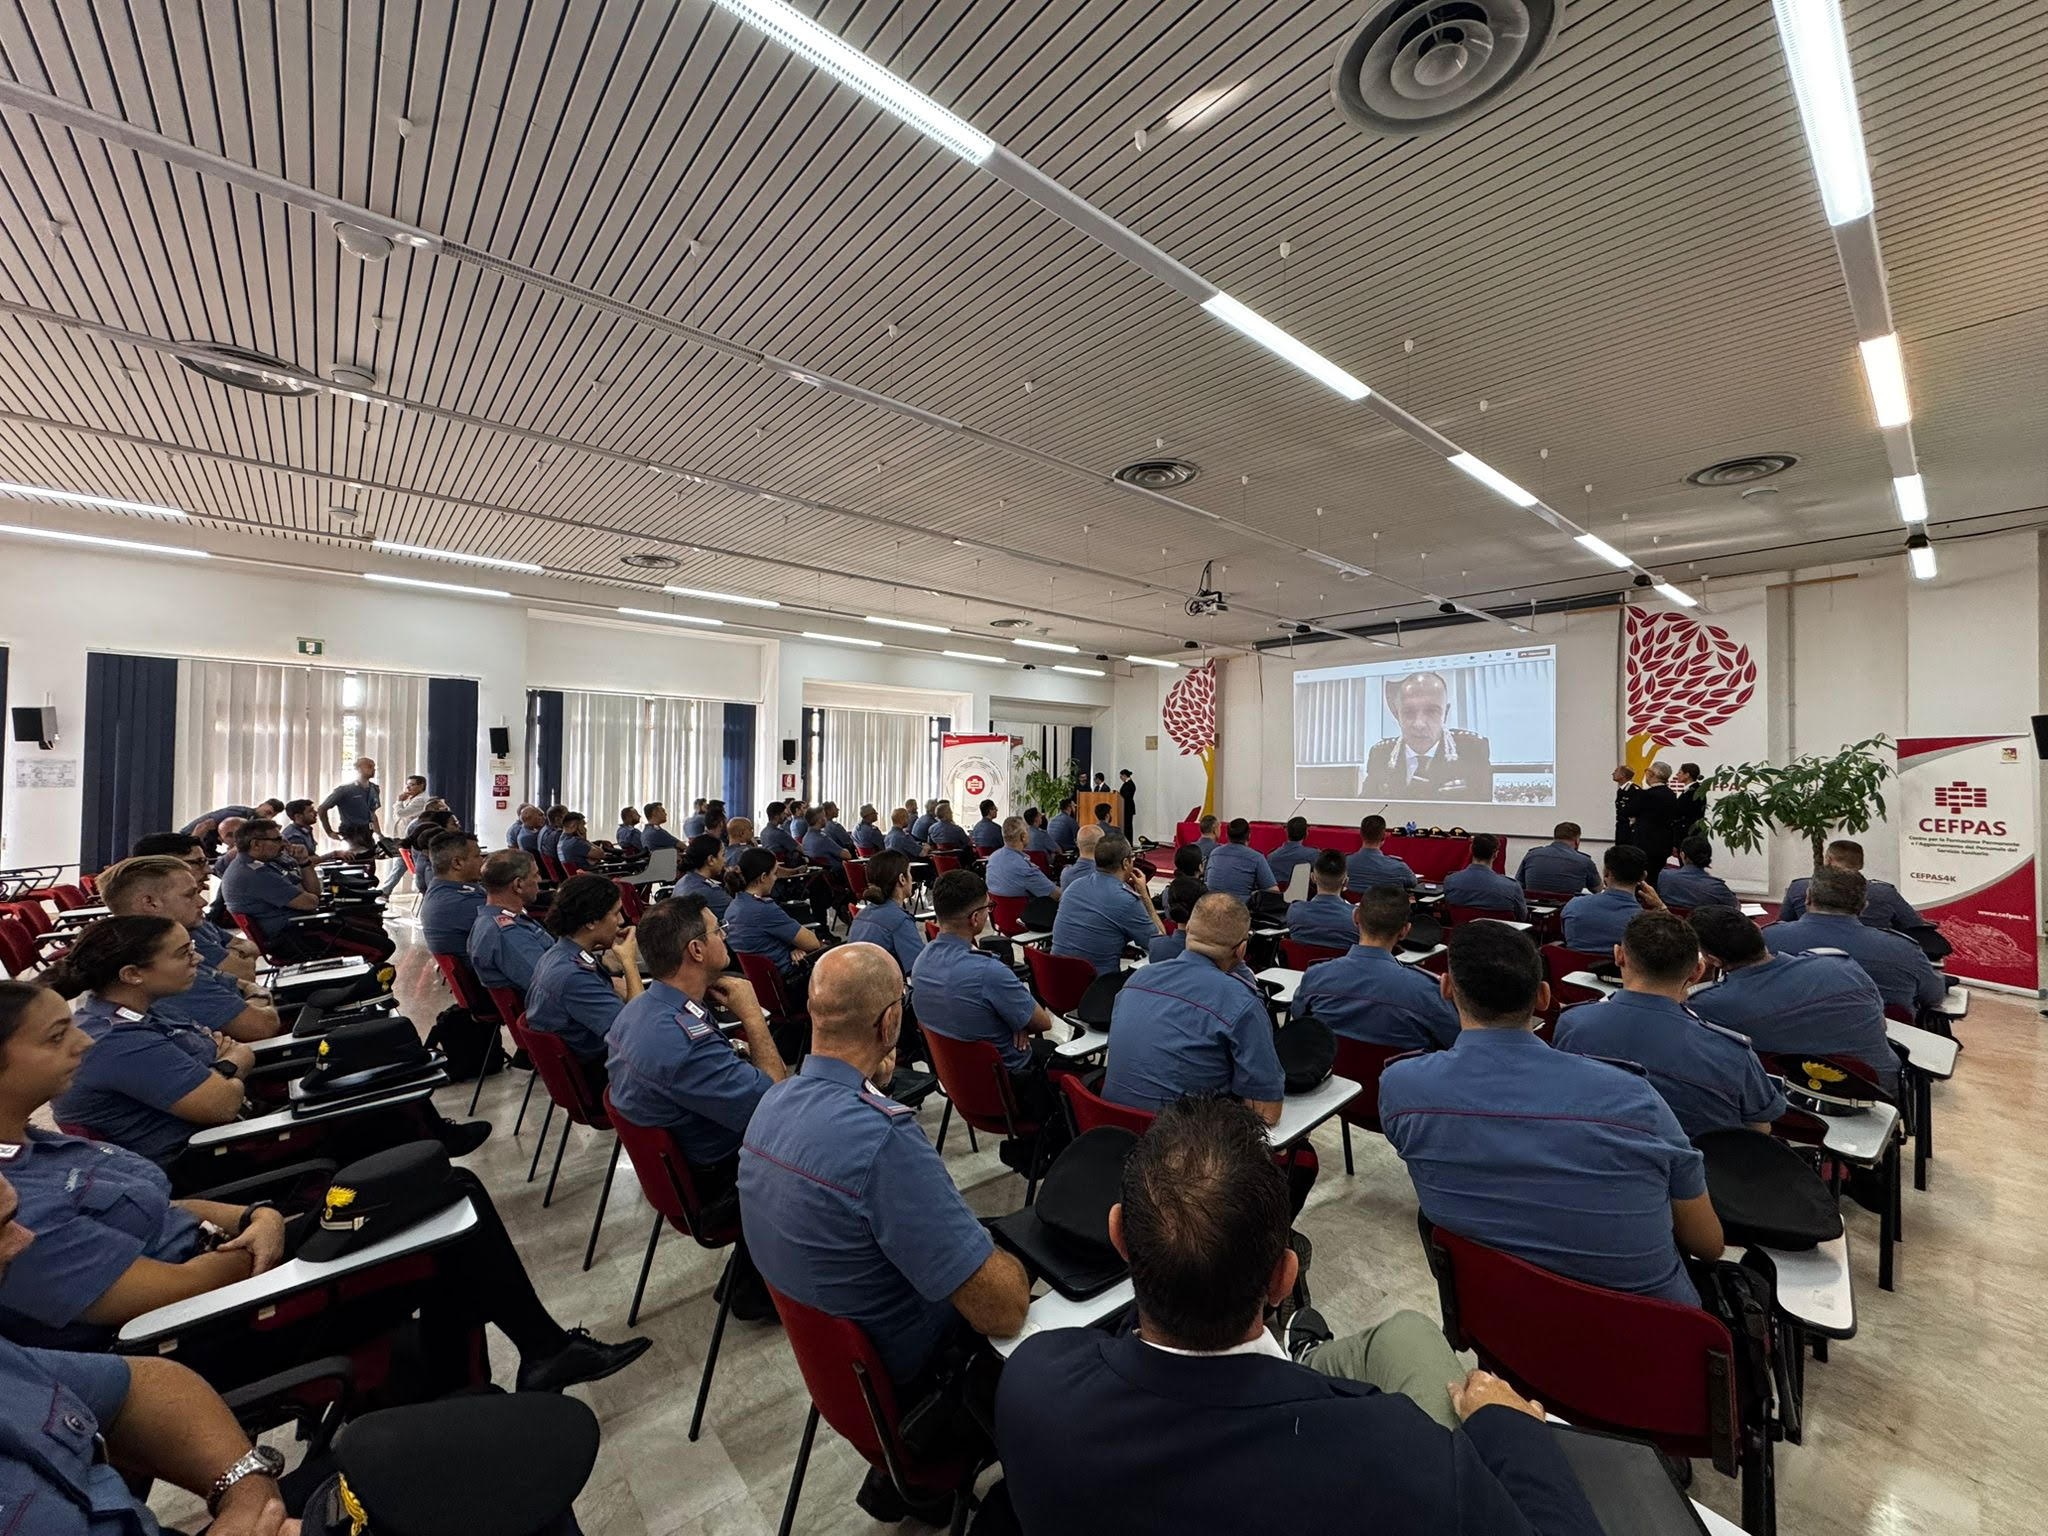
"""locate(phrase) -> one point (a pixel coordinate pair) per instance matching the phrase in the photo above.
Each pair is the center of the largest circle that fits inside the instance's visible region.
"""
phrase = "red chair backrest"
(973, 1075)
(1452, 916)
(766, 980)
(857, 878)
(469, 992)
(629, 900)
(1059, 980)
(551, 867)
(1559, 962)
(34, 916)
(665, 1178)
(1300, 957)
(1041, 858)
(254, 934)
(1007, 913)
(511, 1008)
(1563, 995)
(1900, 1013)
(1601, 1358)
(834, 1354)
(90, 884)
(65, 897)
(1092, 1110)
(17, 947)
(945, 861)
(405, 854)
(1363, 1062)
(568, 1081)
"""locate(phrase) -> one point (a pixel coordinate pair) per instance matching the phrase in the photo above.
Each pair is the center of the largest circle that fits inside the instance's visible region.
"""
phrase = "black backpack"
(466, 1040)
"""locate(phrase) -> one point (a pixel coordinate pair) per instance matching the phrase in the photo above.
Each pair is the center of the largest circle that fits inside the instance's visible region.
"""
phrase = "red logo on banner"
(1961, 797)
(976, 784)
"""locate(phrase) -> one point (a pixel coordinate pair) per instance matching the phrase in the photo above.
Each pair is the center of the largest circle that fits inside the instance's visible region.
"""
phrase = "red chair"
(17, 948)
(573, 1086)
(1091, 1110)
(944, 861)
(512, 1014)
(1059, 980)
(630, 900)
(1006, 913)
(1042, 859)
(978, 1084)
(852, 1392)
(1299, 957)
(857, 878)
(671, 1188)
(334, 940)
(34, 916)
(474, 998)
(766, 981)
(65, 897)
(1559, 962)
(1636, 1365)
(1362, 1061)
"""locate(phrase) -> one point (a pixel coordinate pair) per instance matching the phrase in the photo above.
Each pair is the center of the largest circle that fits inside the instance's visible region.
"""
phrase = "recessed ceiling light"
(433, 586)
(421, 552)
(1000, 661)
(672, 618)
(929, 629)
(82, 499)
(1671, 594)
(1886, 371)
(1910, 491)
(1817, 57)
(1605, 551)
(812, 634)
(1280, 344)
(343, 514)
(1045, 645)
(649, 560)
(722, 597)
(1920, 552)
(240, 368)
(130, 546)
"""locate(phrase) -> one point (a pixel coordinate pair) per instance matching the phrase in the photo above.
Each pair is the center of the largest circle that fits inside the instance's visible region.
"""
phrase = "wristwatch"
(249, 1213)
(260, 1461)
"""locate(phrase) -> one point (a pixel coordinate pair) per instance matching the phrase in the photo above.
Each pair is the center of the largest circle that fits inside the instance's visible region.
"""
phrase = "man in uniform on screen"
(1428, 760)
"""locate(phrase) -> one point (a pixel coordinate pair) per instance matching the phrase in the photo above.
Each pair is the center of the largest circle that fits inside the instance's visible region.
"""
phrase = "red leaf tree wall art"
(1685, 679)
(1189, 716)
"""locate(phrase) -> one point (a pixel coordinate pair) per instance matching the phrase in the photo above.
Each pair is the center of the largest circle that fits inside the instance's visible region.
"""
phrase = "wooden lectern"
(1088, 800)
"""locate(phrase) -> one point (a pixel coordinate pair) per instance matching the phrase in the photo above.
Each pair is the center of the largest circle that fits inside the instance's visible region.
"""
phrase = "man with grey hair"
(1428, 760)
(1107, 909)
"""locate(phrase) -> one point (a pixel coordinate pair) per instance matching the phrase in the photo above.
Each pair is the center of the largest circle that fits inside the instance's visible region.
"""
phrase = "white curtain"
(872, 757)
(625, 749)
(248, 731)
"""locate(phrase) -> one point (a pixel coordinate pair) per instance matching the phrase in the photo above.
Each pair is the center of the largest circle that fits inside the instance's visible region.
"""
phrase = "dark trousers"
(291, 945)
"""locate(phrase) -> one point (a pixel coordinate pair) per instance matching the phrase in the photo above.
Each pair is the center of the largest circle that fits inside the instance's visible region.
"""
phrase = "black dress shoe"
(463, 1137)
(879, 1500)
(582, 1359)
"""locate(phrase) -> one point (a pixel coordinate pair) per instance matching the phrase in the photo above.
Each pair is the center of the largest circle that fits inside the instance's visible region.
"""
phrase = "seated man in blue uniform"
(1106, 909)
(987, 833)
(1835, 900)
(945, 832)
(693, 824)
(218, 1000)
(1480, 885)
(898, 838)
(1037, 838)
(868, 836)
(1883, 906)
(257, 886)
(921, 823)
(1370, 995)
(835, 830)
(670, 1066)
(1370, 866)
(1818, 1005)
(1292, 852)
(1708, 1075)
(1236, 868)
(297, 831)
(1557, 868)
(526, 836)
(572, 993)
(505, 944)
(628, 834)
(225, 946)
(1690, 885)
(775, 835)
(449, 909)
(550, 842)
(1205, 836)
(1011, 874)
(1570, 1163)
(1084, 855)
(1324, 920)
(848, 1209)
(575, 849)
(654, 833)
(1594, 924)
(1065, 827)
(1200, 1421)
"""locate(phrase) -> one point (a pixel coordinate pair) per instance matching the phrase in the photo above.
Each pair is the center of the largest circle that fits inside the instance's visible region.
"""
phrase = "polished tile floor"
(1934, 1419)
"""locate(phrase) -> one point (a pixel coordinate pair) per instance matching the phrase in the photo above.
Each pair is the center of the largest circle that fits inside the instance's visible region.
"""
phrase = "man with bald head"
(1084, 853)
(849, 1209)
(1428, 760)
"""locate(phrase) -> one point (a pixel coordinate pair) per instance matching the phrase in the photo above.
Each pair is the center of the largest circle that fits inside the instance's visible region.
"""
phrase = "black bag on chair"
(466, 1040)
(1307, 1052)
(1040, 913)
(1267, 907)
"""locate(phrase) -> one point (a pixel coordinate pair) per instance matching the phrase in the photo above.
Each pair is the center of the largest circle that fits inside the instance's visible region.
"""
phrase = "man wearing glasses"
(270, 896)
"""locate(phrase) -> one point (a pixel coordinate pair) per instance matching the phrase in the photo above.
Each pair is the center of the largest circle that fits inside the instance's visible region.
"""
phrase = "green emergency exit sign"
(308, 647)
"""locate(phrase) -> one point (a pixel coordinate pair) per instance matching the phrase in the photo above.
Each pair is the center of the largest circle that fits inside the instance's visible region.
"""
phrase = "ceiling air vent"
(650, 560)
(1419, 68)
(239, 368)
(1009, 623)
(1158, 474)
(1751, 466)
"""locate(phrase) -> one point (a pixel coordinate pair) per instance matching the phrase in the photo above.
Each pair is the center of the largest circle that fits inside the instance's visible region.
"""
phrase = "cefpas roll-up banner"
(1966, 854)
(974, 769)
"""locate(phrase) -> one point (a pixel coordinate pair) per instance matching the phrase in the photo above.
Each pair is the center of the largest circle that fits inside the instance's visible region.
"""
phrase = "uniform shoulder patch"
(881, 1101)
(586, 959)
(506, 918)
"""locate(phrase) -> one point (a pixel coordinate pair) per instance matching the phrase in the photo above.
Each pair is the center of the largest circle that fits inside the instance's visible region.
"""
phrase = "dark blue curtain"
(451, 744)
(813, 730)
(131, 732)
(544, 731)
(739, 760)
(1083, 752)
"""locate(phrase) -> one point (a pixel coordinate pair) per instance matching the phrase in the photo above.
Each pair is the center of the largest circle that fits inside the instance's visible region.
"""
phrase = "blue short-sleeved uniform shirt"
(1063, 828)
(1168, 946)
(653, 838)
(211, 943)
(1369, 867)
(1038, 840)
(693, 825)
(571, 997)
(54, 1481)
(921, 825)
(886, 923)
(821, 845)
(353, 802)
(505, 946)
(716, 896)
(1900, 968)
(841, 836)
(966, 993)
(1594, 924)
(1186, 1027)
(95, 1209)
(1073, 872)
(140, 1065)
(1567, 1162)
(899, 840)
(1822, 1005)
(1690, 886)
(1099, 914)
(219, 814)
(213, 1001)
(1883, 906)
(849, 1209)
(263, 893)
(868, 837)
(1283, 860)
(1011, 874)
(947, 834)
(1369, 995)
(299, 837)
(1326, 921)
(670, 1066)
(447, 914)
(529, 838)
(1557, 869)
(754, 926)
(550, 843)
(986, 834)
(1238, 869)
(1708, 1075)
(574, 852)
(780, 841)
(627, 835)
(1477, 886)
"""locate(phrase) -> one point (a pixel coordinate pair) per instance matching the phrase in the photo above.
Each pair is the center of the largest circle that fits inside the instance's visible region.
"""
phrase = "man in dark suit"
(1428, 760)
(1657, 813)
(1626, 793)
(1199, 1420)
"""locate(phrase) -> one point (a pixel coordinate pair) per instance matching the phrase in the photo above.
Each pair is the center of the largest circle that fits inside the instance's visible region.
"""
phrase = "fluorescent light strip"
(1886, 371)
(1153, 661)
(670, 618)
(1077, 671)
(929, 629)
(1910, 491)
(850, 66)
(1492, 479)
(1001, 661)
(812, 634)
(722, 597)
(420, 551)
(433, 586)
(1605, 551)
(1671, 594)
(1280, 344)
(1921, 555)
(127, 546)
(1046, 645)
(81, 499)
(1817, 57)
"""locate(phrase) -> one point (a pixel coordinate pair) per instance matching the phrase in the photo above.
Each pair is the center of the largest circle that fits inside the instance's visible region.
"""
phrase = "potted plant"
(1812, 796)
(1040, 788)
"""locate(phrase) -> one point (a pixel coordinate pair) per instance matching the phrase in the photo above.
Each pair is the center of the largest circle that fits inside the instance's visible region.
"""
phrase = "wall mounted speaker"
(501, 741)
(37, 723)
(789, 749)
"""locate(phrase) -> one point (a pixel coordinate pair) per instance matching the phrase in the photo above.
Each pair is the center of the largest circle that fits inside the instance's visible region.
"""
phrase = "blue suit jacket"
(1107, 1436)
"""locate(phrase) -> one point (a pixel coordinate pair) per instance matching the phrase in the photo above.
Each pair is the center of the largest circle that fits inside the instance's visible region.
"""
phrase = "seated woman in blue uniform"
(886, 919)
(111, 1244)
(756, 924)
(572, 994)
(703, 867)
(155, 1077)
(1690, 885)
